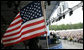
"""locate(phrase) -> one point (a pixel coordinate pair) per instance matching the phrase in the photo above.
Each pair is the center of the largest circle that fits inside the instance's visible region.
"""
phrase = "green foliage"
(67, 26)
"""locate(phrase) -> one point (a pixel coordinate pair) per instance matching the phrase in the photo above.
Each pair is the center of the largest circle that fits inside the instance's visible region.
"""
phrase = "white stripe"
(32, 21)
(9, 33)
(11, 37)
(35, 32)
(32, 27)
(17, 15)
(23, 36)
(28, 28)
(16, 20)
(14, 26)
(28, 22)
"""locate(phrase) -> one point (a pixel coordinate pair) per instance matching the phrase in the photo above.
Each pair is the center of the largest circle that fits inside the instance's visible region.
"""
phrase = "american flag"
(28, 23)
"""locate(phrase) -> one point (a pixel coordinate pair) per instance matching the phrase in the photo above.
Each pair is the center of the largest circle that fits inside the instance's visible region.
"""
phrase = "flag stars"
(31, 14)
(38, 3)
(38, 7)
(24, 9)
(34, 5)
(34, 8)
(35, 16)
(35, 12)
(27, 7)
(25, 12)
(30, 8)
(39, 11)
(40, 14)
(31, 11)
(31, 17)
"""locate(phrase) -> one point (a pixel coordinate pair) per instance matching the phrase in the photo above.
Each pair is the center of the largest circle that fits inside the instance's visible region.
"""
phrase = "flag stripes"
(17, 32)
(29, 37)
(26, 25)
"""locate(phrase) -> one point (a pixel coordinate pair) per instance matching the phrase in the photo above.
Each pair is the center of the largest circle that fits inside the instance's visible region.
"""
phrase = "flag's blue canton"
(31, 11)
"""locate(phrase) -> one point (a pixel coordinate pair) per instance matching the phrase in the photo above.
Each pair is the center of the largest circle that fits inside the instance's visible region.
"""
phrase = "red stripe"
(34, 35)
(28, 31)
(17, 17)
(13, 29)
(38, 22)
(12, 39)
(31, 30)
(12, 34)
(15, 23)
(26, 38)
(31, 24)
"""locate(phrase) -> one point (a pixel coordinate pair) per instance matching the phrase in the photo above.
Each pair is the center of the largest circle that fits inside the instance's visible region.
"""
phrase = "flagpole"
(44, 13)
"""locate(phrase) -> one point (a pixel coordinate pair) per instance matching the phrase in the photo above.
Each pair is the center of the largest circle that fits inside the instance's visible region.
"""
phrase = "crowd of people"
(74, 39)
(70, 37)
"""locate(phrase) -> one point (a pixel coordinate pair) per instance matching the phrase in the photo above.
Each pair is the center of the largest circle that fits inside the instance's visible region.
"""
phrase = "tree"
(67, 26)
